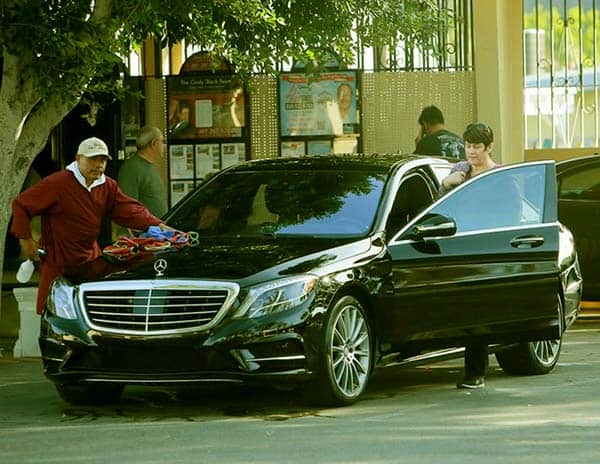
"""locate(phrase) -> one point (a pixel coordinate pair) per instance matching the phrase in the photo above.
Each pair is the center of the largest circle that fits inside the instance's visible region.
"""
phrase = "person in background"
(434, 138)
(72, 204)
(139, 176)
(479, 142)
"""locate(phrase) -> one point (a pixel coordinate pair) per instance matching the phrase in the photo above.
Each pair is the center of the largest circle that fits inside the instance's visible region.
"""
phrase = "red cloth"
(71, 219)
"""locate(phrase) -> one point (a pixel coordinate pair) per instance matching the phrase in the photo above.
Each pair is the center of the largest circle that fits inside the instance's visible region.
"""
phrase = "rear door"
(496, 276)
(579, 210)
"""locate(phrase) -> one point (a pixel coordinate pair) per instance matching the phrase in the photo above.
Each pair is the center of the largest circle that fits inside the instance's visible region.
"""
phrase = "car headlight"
(61, 299)
(276, 296)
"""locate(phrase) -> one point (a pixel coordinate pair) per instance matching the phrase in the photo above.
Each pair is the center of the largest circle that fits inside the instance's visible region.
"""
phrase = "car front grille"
(155, 307)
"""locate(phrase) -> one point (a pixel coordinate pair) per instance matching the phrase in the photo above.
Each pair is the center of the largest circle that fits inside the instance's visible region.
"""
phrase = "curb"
(590, 310)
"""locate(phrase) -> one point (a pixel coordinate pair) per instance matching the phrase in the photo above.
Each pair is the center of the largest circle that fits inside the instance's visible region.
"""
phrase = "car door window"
(412, 197)
(504, 198)
(581, 184)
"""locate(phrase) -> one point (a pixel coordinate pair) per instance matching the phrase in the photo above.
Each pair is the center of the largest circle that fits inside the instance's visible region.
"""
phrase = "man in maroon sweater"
(72, 204)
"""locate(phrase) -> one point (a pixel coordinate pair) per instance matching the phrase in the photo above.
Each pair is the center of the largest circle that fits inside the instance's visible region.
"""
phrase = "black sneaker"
(471, 383)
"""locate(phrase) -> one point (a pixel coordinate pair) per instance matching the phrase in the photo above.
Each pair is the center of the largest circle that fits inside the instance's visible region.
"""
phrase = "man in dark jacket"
(434, 138)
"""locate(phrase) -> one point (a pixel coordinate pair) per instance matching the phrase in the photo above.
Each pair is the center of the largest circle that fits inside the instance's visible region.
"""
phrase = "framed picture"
(346, 144)
(232, 153)
(205, 106)
(180, 189)
(181, 161)
(293, 148)
(325, 106)
(208, 159)
(318, 147)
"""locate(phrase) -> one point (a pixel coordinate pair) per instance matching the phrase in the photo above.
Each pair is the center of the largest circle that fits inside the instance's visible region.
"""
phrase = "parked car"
(579, 210)
(316, 270)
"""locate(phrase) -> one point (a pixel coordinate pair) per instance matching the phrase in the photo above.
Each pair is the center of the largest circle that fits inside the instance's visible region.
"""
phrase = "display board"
(192, 164)
(207, 130)
(200, 106)
(315, 110)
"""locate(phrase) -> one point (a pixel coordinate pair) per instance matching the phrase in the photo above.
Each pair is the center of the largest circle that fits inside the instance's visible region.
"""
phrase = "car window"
(412, 197)
(580, 184)
(282, 202)
(503, 198)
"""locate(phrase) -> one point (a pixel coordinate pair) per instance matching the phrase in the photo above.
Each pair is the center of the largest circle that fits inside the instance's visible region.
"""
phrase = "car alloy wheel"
(546, 351)
(348, 351)
(533, 358)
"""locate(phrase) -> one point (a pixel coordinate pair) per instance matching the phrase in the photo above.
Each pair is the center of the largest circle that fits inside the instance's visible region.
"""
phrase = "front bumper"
(238, 351)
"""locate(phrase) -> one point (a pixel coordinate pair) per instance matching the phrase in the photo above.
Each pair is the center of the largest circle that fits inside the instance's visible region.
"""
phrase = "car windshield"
(283, 203)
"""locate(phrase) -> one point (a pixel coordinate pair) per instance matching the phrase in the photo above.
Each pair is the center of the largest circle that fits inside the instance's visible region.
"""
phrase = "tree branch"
(37, 128)
(9, 74)
(102, 10)
(17, 95)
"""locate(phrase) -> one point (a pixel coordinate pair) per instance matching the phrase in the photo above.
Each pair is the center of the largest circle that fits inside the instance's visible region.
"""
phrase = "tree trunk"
(26, 121)
(9, 188)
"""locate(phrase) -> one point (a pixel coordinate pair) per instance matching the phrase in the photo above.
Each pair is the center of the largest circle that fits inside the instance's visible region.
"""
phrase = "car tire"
(89, 393)
(532, 358)
(347, 354)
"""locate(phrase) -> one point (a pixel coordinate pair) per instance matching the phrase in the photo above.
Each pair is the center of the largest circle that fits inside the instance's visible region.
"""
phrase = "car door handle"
(527, 241)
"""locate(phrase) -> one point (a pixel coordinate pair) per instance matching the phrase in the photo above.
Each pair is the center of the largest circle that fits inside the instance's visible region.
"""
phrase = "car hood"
(238, 258)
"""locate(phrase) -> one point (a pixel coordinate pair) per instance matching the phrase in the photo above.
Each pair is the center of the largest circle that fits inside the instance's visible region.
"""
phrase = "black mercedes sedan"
(314, 271)
(579, 210)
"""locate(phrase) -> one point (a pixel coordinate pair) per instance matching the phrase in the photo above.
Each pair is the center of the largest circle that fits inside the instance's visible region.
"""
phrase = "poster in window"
(324, 106)
(318, 147)
(181, 161)
(204, 113)
(208, 159)
(203, 106)
(345, 144)
(293, 148)
(180, 189)
(232, 153)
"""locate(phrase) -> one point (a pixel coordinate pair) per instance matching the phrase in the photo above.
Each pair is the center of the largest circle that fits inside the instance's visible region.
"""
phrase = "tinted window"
(412, 197)
(315, 203)
(581, 184)
(504, 198)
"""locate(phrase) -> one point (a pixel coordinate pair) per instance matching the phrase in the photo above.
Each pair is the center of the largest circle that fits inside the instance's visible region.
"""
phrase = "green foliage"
(63, 44)
(59, 50)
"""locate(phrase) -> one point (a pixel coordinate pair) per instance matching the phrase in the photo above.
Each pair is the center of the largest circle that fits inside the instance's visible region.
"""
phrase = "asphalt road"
(409, 415)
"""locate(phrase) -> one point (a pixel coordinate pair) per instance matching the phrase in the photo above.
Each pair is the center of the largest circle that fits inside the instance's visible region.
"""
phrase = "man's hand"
(30, 248)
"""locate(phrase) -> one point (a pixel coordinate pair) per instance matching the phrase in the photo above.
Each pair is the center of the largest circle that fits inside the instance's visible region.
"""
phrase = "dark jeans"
(476, 359)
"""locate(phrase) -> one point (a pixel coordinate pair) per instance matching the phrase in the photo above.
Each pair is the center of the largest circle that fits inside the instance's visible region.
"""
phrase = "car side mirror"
(434, 225)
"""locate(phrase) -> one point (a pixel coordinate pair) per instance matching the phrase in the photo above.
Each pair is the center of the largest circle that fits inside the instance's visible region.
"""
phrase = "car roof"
(562, 166)
(378, 162)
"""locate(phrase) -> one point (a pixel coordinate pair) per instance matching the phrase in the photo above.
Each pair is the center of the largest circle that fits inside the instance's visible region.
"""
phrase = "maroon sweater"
(71, 219)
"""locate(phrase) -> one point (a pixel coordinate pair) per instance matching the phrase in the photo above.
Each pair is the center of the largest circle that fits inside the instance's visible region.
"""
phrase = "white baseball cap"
(93, 147)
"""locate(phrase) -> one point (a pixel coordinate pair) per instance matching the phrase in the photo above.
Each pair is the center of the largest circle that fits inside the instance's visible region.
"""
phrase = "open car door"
(481, 261)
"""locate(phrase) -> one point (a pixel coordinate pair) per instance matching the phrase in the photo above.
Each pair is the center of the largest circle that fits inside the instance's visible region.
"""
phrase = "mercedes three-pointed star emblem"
(160, 266)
